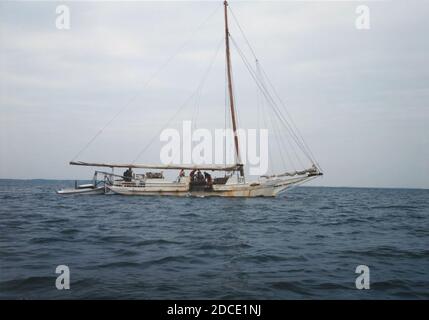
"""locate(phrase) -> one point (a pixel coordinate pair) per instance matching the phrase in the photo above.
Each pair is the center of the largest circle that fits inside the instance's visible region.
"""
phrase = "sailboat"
(233, 183)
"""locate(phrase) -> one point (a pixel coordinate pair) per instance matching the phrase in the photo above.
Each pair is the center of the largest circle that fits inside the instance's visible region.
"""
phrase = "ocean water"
(303, 245)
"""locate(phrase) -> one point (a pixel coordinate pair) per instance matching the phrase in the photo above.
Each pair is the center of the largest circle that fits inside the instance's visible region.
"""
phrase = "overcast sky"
(359, 97)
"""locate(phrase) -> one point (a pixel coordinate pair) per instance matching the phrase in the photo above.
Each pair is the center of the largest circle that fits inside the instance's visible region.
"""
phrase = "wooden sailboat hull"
(256, 189)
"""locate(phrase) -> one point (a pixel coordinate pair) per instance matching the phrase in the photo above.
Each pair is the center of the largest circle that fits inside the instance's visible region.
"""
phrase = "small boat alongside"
(83, 189)
(96, 187)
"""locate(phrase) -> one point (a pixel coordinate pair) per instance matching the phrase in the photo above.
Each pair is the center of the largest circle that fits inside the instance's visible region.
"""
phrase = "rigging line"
(243, 34)
(299, 134)
(258, 110)
(270, 161)
(289, 127)
(277, 139)
(313, 159)
(276, 131)
(276, 110)
(283, 120)
(290, 117)
(261, 112)
(260, 85)
(202, 81)
(271, 101)
(287, 143)
(286, 146)
(299, 140)
(146, 83)
(289, 147)
(197, 108)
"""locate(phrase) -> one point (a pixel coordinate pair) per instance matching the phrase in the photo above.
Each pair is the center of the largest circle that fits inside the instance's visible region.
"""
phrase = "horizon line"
(305, 186)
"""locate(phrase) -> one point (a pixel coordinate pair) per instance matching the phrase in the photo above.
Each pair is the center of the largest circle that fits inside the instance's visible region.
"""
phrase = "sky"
(360, 98)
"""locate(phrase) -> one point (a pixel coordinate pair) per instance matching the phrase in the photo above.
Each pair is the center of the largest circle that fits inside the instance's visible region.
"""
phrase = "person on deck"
(128, 174)
(208, 178)
(192, 175)
(200, 177)
(182, 173)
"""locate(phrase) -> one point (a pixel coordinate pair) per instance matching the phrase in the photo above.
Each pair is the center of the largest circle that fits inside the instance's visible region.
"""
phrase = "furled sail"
(235, 167)
(313, 171)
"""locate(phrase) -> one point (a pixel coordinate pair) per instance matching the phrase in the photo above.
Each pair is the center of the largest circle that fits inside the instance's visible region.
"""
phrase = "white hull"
(98, 190)
(269, 188)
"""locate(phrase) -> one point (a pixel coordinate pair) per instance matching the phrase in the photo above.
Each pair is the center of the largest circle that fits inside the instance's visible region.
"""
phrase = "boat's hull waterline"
(254, 189)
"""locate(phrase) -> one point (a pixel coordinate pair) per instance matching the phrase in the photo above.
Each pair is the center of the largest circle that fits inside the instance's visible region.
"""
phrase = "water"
(304, 245)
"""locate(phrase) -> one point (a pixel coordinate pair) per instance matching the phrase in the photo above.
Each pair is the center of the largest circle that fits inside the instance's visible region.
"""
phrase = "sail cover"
(234, 167)
(313, 171)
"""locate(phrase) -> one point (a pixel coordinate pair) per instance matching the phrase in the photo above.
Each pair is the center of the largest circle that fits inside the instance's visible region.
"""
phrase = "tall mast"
(231, 94)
